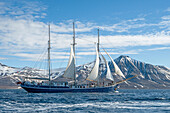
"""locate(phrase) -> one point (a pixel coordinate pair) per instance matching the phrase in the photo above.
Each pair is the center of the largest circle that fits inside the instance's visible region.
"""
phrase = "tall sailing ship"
(68, 81)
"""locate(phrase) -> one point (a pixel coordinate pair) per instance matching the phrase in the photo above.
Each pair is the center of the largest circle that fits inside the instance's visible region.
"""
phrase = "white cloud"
(24, 10)
(160, 48)
(22, 35)
(136, 19)
(167, 17)
(39, 57)
(85, 53)
(27, 55)
(126, 25)
(67, 27)
(134, 40)
(3, 58)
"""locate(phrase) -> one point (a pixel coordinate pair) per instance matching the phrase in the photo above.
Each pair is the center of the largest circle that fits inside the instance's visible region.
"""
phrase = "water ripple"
(14, 101)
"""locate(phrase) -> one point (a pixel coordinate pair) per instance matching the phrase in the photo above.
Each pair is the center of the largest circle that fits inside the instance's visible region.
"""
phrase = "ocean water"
(133, 101)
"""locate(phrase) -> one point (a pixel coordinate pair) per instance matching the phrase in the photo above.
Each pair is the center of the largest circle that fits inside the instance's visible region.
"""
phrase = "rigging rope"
(40, 57)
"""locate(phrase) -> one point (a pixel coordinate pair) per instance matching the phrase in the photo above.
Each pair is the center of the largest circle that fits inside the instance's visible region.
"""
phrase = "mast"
(74, 54)
(98, 52)
(49, 68)
(94, 74)
(98, 41)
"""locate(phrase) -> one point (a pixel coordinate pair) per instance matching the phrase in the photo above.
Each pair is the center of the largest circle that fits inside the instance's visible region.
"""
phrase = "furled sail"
(94, 73)
(117, 70)
(108, 73)
(69, 72)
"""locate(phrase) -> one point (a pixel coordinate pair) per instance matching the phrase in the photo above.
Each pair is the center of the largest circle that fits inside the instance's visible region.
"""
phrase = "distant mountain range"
(149, 76)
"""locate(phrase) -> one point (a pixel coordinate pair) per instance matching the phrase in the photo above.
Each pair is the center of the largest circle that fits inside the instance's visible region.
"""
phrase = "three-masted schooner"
(91, 84)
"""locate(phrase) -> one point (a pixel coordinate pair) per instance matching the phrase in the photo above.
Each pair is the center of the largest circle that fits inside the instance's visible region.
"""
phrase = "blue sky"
(137, 28)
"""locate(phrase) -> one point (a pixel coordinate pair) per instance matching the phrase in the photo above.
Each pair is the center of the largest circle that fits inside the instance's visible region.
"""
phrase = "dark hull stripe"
(64, 90)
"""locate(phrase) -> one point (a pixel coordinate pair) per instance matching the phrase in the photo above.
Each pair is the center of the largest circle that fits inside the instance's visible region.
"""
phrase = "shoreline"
(9, 87)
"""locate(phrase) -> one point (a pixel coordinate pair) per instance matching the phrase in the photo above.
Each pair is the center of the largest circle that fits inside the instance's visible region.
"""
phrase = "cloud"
(122, 26)
(86, 53)
(23, 9)
(22, 34)
(130, 26)
(135, 40)
(39, 57)
(160, 48)
(3, 58)
(67, 27)
(166, 17)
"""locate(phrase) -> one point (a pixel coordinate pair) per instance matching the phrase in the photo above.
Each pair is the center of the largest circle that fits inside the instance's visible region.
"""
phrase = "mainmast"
(49, 65)
(94, 74)
(74, 54)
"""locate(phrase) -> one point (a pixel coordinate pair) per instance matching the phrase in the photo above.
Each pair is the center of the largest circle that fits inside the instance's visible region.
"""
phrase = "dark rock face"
(149, 76)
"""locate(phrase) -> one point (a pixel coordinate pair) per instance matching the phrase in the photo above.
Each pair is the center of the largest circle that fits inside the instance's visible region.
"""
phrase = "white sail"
(69, 72)
(108, 73)
(117, 70)
(94, 73)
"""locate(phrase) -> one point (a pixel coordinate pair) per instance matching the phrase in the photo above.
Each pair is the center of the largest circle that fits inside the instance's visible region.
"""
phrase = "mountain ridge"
(149, 76)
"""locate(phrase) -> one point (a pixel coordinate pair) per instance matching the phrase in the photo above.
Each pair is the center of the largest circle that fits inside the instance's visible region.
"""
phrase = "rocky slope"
(149, 76)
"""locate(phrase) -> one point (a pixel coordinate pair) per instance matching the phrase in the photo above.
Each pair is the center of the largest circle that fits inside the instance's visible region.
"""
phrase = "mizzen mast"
(98, 52)
(98, 41)
(49, 61)
(74, 54)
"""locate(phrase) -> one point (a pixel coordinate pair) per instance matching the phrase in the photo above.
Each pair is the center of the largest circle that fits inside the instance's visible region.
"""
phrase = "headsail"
(94, 73)
(117, 70)
(69, 72)
(108, 73)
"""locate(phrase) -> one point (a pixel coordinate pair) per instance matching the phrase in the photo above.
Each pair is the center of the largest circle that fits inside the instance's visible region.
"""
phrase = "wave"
(126, 101)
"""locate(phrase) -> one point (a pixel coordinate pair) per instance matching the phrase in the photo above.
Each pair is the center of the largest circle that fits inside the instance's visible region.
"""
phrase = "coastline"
(9, 87)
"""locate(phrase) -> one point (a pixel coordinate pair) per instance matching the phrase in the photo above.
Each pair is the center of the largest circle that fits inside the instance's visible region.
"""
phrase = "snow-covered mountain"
(5, 80)
(10, 75)
(149, 76)
(7, 70)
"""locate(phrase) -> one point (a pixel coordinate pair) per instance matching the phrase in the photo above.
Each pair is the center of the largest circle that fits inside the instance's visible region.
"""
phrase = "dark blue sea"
(133, 101)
